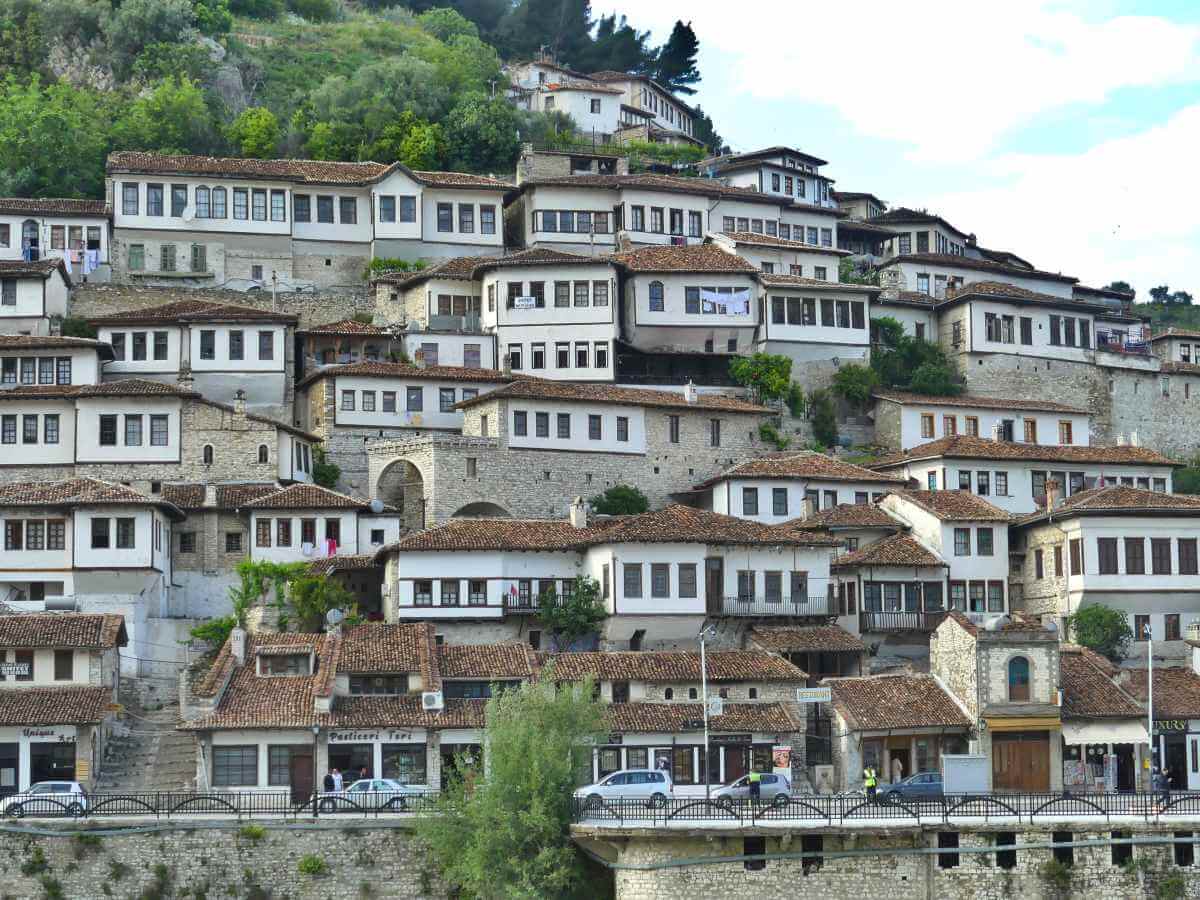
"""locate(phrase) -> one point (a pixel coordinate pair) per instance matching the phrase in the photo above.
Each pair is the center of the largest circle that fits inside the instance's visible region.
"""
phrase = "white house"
(75, 231)
(45, 360)
(306, 521)
(88, 546)
(32, 295)
(57, 691)
(779, 171)
(919, 231)
(1014, 475)
(554, 314)
(649, 111)
(773, 254)
(904, 420)
(779, 488)
(228, 351)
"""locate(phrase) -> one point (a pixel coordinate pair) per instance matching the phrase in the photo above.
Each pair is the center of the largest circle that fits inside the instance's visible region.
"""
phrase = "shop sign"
(15, 669)
(61, 733)
(1170, 725)
(814, 695)
(524, 302)
(729, 738)
(387, 736)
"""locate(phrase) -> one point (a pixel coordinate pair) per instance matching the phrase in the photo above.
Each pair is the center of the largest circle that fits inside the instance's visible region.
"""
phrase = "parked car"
(652, 785)
(370, 793)
(922, 786)
(47, 798)
(775, 788)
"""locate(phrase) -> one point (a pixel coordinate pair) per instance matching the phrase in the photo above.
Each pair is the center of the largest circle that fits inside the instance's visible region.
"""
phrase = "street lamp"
(704, 702)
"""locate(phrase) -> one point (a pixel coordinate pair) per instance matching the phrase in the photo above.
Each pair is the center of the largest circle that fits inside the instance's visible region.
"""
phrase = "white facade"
(934, 278)
(29, 301)
(792, 175)
(402, 402)
(48, 365)
(922, 422)
(50, 424)
(774, 501)
(575, 427)
(54, 235)
(593, 108)
(683, 320)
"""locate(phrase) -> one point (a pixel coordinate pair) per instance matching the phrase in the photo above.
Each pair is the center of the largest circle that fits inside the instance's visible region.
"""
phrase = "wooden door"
(714, 584)
(301, 771)
(737, 761)
(1021, 761)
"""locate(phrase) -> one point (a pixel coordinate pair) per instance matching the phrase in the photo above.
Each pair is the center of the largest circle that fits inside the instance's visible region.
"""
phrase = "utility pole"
(1150, 696)
(274, 291)
(704, 700)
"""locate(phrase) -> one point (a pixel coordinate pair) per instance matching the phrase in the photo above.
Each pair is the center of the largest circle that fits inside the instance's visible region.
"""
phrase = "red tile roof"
(689, 258)
(342, 564)
(406, 370)
(673, 718)
(705, 187)
(34, 342)
(966, 262)
(1004, 291)
(965, 447)
(52, 206)
(55, 705)
(1176, 691)
(193, 311)
(1172, 332)
(1089, 691)
(483, 661)
(1122, 500)
(305, 496)
(94, 631)
(351, 327)
(806, 639)
(457, 268)
(805, 464)
(80, 492)
(376, 648)
(884, 702)
(491, 534)
(41, 268)
(229, 496)
(672, 666)
(955, 506)
(894, 550)
(405, 712)
(845, 515)
(770, 240)
(525, 389)
(537, 256)
(784, 280)
(976, 401)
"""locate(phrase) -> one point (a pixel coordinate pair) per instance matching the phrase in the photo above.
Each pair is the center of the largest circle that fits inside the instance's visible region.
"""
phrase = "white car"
(370, 793)
(772, 787)
(652, 785)
(53, 798)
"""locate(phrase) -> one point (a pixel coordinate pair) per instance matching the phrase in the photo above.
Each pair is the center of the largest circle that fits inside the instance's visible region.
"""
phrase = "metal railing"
(899, 621)
(785, 606)
(236, 804)
(851, 808)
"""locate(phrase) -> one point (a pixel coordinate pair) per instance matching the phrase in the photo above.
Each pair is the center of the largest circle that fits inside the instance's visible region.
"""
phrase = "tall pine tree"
(675, 67)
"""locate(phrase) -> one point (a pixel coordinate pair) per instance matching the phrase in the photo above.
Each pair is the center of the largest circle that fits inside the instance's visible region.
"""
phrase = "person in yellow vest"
(755, 785)
(870, 782)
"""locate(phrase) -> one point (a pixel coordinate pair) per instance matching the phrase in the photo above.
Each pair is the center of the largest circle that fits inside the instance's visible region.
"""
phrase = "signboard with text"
(814, 695)
(524, 302)
(15, 669)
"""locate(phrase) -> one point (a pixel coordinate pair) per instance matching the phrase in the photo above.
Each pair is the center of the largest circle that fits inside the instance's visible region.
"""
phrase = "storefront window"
(9, 763)
(681, 768)
(404, 762)
(350, 759)
(637, 758)
(279, 765)
(609, 760)
(234, 766)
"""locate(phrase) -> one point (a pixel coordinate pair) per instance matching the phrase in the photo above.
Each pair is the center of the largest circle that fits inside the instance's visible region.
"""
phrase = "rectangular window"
(179, 199)
(137, 257)
(1076, 548)
(235, 766)
(487, 219)
(108, 431)
(745, 585)
(14, 534)
(962, 541)
(633, 579)
(29, 428)
(1160, 556)
(158, 431)
(129, 199)
(749, 501)
(278, 206)
(1187, 556)
(348, 210)
(349, 399)
(595, 432)
(408, 209)
(445, 217)
(324, 209)
(237, 345)
(714, 432)
(581, 293)
(564, 425)
(258, 207)
(773, 587)
(541, 424)
(50, 428)
(927, 425)
(779, 501)
(368, 401)
(466, 218)
(166, 258)
(520, 423)
(154, 199)
(133, 431)
(446, 400)
(1107, 555)
(100, 534)
(984, 542)
(387, 208)
(414, 399)
(262, 533)
(656, 219)
(660, 580)
(1171, 621)
(301, 208)
(562, 355)
(283, 532)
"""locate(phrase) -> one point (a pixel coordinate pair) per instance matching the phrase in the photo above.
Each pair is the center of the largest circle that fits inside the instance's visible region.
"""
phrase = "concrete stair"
(151, 757)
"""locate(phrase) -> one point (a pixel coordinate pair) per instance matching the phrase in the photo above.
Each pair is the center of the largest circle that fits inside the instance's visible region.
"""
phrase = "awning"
(1114, 731)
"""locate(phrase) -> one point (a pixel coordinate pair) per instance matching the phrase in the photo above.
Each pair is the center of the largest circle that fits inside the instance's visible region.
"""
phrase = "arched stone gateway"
(482, 510)
(402, 484)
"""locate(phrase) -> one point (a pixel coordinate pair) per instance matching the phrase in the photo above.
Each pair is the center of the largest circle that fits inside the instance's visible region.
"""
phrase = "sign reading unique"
(14, 669)
(814, 695)
(62, 733)
(524, 302)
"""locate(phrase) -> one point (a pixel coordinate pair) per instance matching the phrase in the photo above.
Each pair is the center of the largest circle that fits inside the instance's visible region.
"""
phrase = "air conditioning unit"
(432, 701)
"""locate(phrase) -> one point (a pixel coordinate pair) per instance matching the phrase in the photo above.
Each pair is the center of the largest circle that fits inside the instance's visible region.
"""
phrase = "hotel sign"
(814, 695)
(19, 669)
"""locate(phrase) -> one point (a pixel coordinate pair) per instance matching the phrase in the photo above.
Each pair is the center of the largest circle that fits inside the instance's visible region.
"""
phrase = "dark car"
(922, 786)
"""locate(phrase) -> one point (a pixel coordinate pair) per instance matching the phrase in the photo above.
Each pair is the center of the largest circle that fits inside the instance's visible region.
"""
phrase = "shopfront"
(730, 756)
(896, 756)
(1103, 756)
(1179, 751)
(461, 748)
(383, 752)
(29, 754)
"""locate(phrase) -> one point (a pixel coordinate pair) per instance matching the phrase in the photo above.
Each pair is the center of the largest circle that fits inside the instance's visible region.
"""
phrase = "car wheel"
(725, 802)
(592, 802)
(658, 801)
(780, 800)
(75, 809)
(17, 811)
(326, 806)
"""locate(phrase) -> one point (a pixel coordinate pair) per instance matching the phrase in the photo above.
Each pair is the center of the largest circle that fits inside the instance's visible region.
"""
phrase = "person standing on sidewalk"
(870, 782)
(755, 786)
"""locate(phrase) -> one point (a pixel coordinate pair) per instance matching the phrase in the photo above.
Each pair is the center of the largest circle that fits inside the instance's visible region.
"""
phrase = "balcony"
(1130, 342)
(761, 607)
(469, 324)
(899, 621)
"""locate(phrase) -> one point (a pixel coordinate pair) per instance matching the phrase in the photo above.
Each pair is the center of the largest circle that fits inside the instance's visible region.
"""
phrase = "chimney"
(239, 402)
(505, 364)
(689, 392)
(1053, 493)
(578, 513)
(808, 508)
(1134, 440)
(185, 379)
(237, 645)
(210, 494)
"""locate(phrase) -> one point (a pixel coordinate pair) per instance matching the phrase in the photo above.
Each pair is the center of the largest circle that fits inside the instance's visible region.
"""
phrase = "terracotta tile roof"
(805, 464)
(80, 492)
(457, 268)
(537, 256)
(844, 515)
(126, 387)
(672, 666)
(1001, 290)
(491, 534)
(884, 702)
(955, 506)
(405, 712)
(34, 342)
(770, 240)
(976, 401)
(964, 447)
(193, 311)
(460, 180)
(406, 370)
(273, 702)
(346, 327)
(967, 262)
(1089, 691)
(342, 564)
(673, 718)
(782, 280)
(677, 523)
(1176, 691)
(1122, 499)
(185, 496)
(55, 706)
(806, 638)
(906, 215)
(41, 268)
(1014, 624)
(705, 187)
(229, 496)
(96, 631)
(52, 206)
(894, 550)
(526, 389)
(690, 258)
(305, 496)
(477, 661)
(906, 298)
(377, 648)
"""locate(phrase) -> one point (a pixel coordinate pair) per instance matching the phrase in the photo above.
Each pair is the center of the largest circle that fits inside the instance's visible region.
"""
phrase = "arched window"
(218, 203)
(656, 296)
(1018, 679)
(263, 453)
(202, 207)
(669, 694)
(208, 454)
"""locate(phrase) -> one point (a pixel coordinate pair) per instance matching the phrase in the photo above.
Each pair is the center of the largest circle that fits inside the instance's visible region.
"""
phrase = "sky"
(1068, 133)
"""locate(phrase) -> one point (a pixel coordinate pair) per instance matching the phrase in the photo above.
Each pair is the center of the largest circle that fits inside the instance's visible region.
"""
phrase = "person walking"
(328, 782)
(337, 780)
(870, 782)
(1161, 784)
(755, 786)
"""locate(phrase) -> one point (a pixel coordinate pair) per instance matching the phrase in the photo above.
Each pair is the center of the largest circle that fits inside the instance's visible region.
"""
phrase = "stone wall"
(196, 859)
(952, 660)
(887, 425)
(1043, 596)
(885, 870)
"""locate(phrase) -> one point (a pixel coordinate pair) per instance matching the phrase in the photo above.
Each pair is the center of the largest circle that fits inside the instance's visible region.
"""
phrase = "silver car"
(47, 798)
(370, 793)
(651, 785)
(771, 787)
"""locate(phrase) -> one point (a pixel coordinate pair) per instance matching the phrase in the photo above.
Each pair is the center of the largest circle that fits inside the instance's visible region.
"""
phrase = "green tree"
(314, 10)
(935, 380)
(1102, 629)
(310, 597)
(620, 500)
(173, 118)
(766, 375)
(257, 9)
(505, 833)
(575, 615)
(22, 38)
(162, 60)
(705, 131)
(482, 134)
(336, 141)
(616, 46)
(675, 67)
(824, 418)
(255, 133)
(444, 23)
(135, 24)
(212, 16)
(325, 473)
(1185, 480)
(1123, 286)
(910, 363)
(854, 384)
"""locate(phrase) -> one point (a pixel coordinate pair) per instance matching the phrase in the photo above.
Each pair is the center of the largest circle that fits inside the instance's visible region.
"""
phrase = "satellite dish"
(334, 617)
(376, 506)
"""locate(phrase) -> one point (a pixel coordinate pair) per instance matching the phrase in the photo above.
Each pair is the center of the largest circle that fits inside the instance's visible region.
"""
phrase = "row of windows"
(943, 244)
(208, 203)
(747, 579)
(660, 580)
(450, 592)
(35, 534)
(694, 304)
(785, 185)
(414, 398)
(133, 431)
(820, 273)
(466, 218)
(587, 355)
(926, 596)
(472, 355)
(137, 344)
(997, 483)
(581, 294)
(237, 345)
(941, 284)
(666, 221)
(64, 665)
(123, 530)
(62, 237)
(1162, 562)
(984, 542)
(8, 292)
(1066, 429)
(38, 370)
(567, 221)
(562, 421)
(817, 237)
(779, 500)
(168, 258)
(30, 429)
(803, 311)
(282, 530)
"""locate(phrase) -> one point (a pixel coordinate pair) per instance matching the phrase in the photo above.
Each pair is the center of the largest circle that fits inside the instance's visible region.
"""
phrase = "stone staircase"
(151, 756)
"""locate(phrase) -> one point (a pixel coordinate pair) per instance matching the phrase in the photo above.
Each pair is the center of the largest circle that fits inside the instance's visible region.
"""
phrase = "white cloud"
(1125, 208)
(947, 78)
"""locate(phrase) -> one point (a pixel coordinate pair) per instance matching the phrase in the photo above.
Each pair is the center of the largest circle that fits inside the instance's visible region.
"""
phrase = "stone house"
(50, 228)
(33, 295)
(347, 341)
(45, 360)
(59, 678)
(529, 447)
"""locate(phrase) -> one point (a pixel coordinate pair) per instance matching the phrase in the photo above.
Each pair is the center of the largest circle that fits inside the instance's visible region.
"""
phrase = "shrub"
(313, 865)
(824, 419)
(795, 400)
(117, 870)
(36, 863)
(72, 326)
(769, 434)
(325, 473)
(1056, 875)
(252, 832)
(620, 500)
(766, 375)
(1103, 629)
(577, 614)
(52, 888)
(854, 384)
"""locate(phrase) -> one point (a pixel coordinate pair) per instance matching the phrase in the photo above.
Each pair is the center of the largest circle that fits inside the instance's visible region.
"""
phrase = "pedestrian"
(870, 782)
(337, 779)
(1162, 786)
(755, 786)
(328, 782)
(363, 773)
